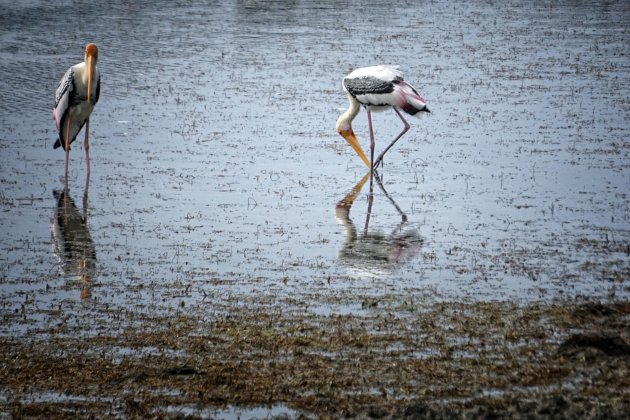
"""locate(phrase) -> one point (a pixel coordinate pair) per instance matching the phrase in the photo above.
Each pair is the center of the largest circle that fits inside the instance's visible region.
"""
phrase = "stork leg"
(67, 140)
(372, 142)
(86, 146)
(379, 159)
(85, 198)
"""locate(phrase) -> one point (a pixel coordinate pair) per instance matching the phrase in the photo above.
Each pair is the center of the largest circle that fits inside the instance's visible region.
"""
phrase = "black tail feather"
(60, 143)
(412, 110)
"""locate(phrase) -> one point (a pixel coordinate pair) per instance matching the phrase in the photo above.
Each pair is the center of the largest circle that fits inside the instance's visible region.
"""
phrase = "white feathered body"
(71, 102)
(379, 87)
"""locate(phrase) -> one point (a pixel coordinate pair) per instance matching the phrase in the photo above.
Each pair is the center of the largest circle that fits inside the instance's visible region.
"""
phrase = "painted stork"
(77, 93)
(377, 88)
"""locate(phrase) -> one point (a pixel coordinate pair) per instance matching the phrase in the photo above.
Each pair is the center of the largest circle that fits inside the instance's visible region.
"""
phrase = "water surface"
(217, 170)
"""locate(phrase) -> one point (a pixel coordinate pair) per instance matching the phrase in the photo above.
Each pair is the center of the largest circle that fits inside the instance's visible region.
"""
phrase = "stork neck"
(352, 111)
(83, 72)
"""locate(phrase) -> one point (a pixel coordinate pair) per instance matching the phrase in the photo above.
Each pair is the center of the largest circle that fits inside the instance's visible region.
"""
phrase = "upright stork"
(377, 88)
(77, 93)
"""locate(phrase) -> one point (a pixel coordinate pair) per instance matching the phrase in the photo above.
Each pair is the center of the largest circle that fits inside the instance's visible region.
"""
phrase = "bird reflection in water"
(72, 241)
(374, 253)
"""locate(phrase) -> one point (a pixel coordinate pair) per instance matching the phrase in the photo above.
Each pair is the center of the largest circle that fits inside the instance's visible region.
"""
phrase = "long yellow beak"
(352, 140)
(91, 65)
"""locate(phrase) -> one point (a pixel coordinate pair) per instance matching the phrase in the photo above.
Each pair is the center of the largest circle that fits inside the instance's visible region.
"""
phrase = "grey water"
(216, 168)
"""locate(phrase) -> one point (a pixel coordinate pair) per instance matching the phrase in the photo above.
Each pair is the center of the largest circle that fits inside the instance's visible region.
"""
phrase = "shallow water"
(216, 168)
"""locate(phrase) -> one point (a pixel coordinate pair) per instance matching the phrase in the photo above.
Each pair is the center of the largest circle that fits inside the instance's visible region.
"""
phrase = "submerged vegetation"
(404, 359)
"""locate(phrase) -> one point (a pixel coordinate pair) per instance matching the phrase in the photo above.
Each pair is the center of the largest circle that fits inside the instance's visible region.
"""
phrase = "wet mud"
(406, 360)
(229, 257)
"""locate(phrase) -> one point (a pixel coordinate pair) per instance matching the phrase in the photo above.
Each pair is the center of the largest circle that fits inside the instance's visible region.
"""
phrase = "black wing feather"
(367, 86)
(66, 84)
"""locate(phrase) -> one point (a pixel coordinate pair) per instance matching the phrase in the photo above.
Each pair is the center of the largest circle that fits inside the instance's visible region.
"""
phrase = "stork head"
(91, 57)
(344, 128)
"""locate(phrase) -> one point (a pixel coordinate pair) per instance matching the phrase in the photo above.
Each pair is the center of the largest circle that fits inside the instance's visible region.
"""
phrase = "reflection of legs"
(379, 159)
(369, 210)
(85, 199)
(66, 206)
(86, 146)
(67, 141)
(391, 200)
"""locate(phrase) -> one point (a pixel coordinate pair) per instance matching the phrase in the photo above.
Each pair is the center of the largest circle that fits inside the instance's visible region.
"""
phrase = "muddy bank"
(446, 360)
